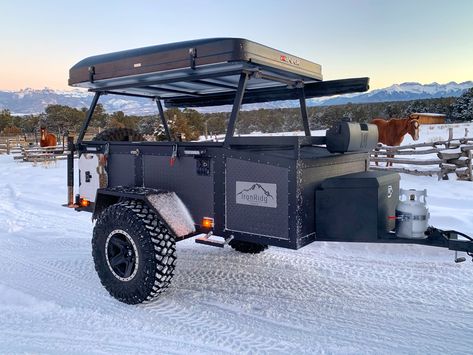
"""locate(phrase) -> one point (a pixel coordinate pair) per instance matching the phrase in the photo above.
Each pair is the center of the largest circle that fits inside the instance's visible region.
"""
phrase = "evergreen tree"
(28, 124)
(100, 117)
(462, 109)
(184, 125)
(6, 119)
(120, 120)
(60, 118)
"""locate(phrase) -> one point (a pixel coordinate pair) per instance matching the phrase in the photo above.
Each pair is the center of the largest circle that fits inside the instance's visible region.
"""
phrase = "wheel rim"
(122, 255)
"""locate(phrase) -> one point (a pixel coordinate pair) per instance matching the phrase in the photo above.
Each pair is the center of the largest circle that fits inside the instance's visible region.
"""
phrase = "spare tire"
(119, 135)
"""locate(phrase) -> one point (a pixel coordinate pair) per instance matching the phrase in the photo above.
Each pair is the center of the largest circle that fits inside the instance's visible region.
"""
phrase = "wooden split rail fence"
(41, 154)
(24, 149)
(9, 145)
(442, 158)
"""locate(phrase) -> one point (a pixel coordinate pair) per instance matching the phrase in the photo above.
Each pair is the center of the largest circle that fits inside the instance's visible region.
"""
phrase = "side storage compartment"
(92, 175)
(356, 207)
(269, 194)
(257, 199)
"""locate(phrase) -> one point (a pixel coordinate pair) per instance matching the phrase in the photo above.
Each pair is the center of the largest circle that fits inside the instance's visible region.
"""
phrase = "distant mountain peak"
(400, 92)
(409, 83)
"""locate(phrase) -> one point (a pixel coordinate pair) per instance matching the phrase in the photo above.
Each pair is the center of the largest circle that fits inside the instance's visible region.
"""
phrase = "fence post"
(470, 164)
(70, 171)
(8, 146)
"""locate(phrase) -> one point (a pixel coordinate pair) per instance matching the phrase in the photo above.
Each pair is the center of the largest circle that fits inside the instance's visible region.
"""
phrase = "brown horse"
(391, 132)
(47, 139)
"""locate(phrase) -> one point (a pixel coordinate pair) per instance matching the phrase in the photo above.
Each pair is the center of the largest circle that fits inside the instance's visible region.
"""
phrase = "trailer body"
(285, 191)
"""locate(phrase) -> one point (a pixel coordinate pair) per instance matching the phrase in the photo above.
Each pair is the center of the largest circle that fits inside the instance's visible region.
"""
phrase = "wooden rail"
(10, 144)
(25, 149)
(41, 154)
(453, 155)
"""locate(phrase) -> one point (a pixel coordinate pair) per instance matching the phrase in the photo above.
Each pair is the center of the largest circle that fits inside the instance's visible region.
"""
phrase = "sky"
(389, 41)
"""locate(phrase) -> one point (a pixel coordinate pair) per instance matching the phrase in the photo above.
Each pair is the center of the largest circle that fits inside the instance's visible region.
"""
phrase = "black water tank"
(351, 137)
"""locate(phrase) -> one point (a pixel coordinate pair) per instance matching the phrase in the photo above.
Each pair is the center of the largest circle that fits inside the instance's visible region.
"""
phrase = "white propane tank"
(412, 214)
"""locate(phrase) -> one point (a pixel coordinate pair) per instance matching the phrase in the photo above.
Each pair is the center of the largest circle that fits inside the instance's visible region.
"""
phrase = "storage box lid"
(361, 179)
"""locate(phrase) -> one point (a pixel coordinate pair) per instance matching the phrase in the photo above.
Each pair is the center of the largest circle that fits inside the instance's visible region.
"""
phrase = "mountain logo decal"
(256, 194)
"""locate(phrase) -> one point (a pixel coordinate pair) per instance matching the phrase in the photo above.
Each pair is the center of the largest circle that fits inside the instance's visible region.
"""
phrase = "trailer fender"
(166, 204)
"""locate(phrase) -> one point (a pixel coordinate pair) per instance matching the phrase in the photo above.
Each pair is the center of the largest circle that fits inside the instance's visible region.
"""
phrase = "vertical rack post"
(236, 107)
(304, 115)
(163, 119)
(93, 104)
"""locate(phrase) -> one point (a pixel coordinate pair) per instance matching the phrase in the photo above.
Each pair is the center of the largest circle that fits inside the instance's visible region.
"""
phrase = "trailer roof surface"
(206, 72)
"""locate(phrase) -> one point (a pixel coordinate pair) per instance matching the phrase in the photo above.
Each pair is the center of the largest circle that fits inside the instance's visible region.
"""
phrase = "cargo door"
(256, 199)
(92, 175)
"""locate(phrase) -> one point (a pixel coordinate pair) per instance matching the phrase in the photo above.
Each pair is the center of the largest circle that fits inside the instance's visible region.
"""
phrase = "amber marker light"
(84, 202)
(208, 222)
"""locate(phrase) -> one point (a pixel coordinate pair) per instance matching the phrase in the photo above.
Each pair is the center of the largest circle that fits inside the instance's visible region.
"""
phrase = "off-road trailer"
(283, 191)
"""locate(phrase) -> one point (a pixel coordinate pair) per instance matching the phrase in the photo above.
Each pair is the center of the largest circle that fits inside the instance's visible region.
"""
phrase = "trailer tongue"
(284, 191)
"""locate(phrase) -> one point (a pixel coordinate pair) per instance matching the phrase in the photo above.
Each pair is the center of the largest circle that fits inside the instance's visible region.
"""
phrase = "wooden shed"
(428, 118)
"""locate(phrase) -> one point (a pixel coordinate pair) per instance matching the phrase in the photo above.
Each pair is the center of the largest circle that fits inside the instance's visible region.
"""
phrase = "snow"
(439, 132)
(174, 212)
(336, 298)
(431, 88)
(428, 114)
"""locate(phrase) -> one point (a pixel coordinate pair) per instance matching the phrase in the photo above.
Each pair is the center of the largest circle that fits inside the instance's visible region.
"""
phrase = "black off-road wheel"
(247, 247)
(134, 253)
(119, 135)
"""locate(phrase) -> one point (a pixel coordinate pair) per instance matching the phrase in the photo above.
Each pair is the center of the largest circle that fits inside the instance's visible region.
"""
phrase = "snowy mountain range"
(30, 101)
(401, 92)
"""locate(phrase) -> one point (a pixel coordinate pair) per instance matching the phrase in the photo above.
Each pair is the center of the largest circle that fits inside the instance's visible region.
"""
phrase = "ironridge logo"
(256, 194)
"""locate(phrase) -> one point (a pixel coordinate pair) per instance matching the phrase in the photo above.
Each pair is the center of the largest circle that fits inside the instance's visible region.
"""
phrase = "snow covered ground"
(324, 298)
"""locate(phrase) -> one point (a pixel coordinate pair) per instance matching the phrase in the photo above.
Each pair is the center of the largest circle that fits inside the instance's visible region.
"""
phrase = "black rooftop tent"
(207, 72)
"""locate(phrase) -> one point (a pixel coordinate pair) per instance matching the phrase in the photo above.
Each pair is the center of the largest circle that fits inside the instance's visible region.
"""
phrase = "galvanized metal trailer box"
(269, 195)
(261, 190)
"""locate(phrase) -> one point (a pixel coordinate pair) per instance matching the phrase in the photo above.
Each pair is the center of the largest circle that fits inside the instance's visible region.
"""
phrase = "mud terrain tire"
(247, 247)
(134, 253)
(119, 135)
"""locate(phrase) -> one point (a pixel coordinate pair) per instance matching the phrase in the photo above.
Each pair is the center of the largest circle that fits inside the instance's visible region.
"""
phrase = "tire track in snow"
(323, 298)
(92, 294)
(406, 280)
(189, 309)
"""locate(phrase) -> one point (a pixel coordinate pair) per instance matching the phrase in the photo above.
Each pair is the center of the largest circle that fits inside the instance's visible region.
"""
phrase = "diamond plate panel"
(264, 190)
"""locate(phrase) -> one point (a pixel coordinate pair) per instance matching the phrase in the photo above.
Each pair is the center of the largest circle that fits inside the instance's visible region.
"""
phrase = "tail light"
(83, 202)
(207, 222)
